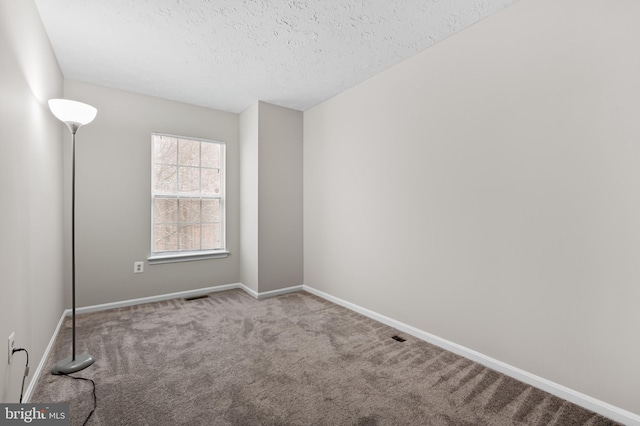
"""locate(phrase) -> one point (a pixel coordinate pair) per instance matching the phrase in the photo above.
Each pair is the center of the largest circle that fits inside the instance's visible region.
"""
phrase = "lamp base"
(70, 365)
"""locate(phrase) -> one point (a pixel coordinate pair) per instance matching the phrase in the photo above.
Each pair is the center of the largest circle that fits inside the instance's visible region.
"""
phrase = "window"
(188, 198)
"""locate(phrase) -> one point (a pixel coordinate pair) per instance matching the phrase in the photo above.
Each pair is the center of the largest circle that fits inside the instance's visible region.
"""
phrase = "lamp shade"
(72, 111)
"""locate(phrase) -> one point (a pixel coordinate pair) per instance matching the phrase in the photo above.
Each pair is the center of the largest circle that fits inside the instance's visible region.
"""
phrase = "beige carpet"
(291, 360)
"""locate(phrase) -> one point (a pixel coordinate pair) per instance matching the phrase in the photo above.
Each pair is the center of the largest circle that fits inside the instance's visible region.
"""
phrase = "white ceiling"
(227, 54)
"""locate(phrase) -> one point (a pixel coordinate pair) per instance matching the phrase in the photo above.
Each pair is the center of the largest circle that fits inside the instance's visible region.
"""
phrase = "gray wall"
(280, 197)
(113, 207)
(31, 188)
(487, 191)
(271, 194)
(249, 197)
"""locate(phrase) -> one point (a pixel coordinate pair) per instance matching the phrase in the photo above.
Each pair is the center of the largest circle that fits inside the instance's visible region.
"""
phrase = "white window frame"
(190, 255)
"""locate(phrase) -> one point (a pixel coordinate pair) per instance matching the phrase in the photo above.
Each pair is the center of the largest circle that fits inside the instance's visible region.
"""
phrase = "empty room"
(270, 212)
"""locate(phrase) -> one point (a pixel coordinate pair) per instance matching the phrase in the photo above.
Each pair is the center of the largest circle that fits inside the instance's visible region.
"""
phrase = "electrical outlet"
(138, 267)
(12, 344)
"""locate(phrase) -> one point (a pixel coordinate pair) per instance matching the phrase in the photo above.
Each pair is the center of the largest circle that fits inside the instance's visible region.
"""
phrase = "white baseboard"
(251, 291)
(272, 293)
(182, 294)
(158, 298)
(585, 401)
(36, 374)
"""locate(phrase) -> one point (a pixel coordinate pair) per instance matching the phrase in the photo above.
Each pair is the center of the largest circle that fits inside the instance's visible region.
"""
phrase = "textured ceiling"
(226, 54)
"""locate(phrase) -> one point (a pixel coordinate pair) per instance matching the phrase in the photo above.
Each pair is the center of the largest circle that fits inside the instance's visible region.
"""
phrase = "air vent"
(398, 339)
(202, 296)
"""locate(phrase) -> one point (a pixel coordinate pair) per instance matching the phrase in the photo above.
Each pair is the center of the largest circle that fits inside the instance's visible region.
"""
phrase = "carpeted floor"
(291, 360)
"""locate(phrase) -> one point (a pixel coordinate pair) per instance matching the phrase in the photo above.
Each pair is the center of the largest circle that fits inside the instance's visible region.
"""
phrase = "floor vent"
(398, 338)
(202, 296)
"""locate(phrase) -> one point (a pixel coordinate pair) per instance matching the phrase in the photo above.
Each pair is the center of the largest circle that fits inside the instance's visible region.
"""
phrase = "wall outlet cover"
(11, 345)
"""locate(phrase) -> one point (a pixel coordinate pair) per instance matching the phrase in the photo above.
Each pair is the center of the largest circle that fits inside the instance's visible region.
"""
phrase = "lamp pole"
(73, 242)
(74, 115)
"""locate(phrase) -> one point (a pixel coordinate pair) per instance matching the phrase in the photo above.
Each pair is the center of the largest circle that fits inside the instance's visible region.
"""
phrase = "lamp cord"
(95, 398)
(26, 373)
(26, 369)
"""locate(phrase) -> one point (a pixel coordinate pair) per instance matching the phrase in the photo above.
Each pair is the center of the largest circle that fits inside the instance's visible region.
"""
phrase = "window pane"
(185, 173)
(165, 178)
(211, 236)
(165, 238)
(189, 153)
(189, 178)
(189, 210)
(165, 149)
(211, 181)
(189, 238)
(210, 155)
(210, 211)
(166, 210)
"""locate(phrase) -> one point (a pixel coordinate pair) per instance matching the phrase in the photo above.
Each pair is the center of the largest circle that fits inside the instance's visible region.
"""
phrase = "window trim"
(191, 255)
(185, 256)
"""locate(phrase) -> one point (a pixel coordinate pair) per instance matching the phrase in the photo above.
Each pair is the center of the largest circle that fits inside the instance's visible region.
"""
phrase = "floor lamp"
(73, 114)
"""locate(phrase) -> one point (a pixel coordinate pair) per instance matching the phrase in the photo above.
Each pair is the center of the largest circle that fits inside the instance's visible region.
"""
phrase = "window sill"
(186, 257)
